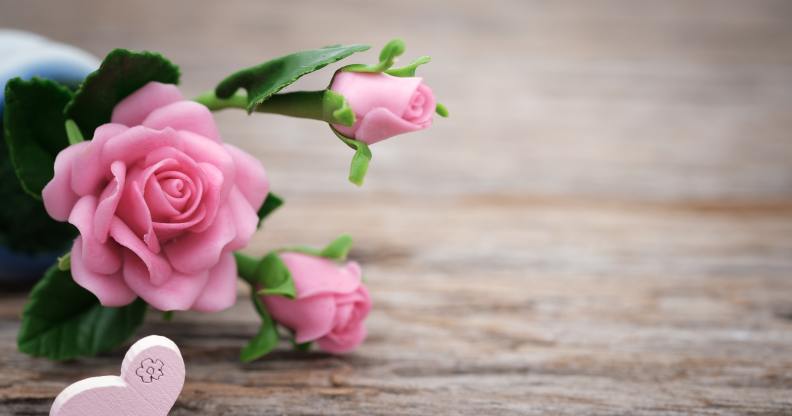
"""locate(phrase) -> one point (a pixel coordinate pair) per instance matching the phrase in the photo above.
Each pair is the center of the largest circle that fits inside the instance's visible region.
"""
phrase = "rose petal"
(108, 201)
(215, 190)
(167, 231)
(133, 109)
(245, 220)
(381, 123)
(177, 293)
(220, 291)
(159, 270)
(111, 289)
(423, 97)
(102, 258)
(310, 318)
(339, 343)
(316, 275)
(201, 149)
(343, 315)
(135, 143)
(58, 196)
(135, 214)
(186, 169)
(184, 115)
(367, 91)
(92, 173)
(251, 178)
(194, 252)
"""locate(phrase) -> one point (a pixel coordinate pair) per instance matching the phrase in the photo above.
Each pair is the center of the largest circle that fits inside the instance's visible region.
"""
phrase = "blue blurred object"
(19, 268)
(27, 55)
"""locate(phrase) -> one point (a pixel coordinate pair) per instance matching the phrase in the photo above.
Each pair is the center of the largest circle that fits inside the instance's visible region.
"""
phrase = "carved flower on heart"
(150, 370)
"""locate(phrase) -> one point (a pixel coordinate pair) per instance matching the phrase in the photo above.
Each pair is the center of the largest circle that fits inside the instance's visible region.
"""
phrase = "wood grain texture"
(604, 226)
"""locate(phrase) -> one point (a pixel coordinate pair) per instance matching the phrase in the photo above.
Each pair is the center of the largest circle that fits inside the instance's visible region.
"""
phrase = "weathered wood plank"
(633, 311)
(604, 226)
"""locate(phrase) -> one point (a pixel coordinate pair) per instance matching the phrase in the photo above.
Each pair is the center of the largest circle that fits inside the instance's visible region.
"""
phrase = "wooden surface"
(604, 226)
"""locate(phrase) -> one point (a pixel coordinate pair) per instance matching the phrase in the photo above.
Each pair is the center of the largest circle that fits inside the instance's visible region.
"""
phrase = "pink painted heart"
(152, 377)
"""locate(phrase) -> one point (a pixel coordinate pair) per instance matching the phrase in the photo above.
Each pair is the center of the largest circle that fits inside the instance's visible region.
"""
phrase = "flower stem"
(210, 100)
(323, 105)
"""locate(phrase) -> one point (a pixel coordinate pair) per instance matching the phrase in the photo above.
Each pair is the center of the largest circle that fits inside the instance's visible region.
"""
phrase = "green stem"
(246, 267)
(323, 105)
(210, 100)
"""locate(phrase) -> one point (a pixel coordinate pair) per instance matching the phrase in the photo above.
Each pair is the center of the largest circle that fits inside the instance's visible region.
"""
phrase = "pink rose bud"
(384, 105)
(330, 306)
(160, 202)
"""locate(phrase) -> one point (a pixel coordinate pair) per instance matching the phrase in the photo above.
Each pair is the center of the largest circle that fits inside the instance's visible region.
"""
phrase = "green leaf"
(34, 132)
(271, 203)
(338, 249)
(122, 72)
(360, 160)
(274, 277)
(265, 340)
(264, 80)
(61, 320)
(25, 226)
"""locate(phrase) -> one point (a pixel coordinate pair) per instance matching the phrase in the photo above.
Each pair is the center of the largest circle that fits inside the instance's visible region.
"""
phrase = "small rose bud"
(330, 306)
(384, 105)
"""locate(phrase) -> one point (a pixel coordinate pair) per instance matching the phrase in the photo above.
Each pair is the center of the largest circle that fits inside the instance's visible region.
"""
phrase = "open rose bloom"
(160, 203)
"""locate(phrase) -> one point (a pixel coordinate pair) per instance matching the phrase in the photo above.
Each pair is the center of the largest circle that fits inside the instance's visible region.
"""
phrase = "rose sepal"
(360, 160)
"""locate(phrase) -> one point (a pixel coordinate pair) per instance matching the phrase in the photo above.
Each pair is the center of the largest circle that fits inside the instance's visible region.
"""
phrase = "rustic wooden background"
(604, 226)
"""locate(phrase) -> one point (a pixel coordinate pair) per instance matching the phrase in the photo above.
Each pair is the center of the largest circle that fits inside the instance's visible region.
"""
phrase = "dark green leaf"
(24, 224)
(61, 320)
(265, 340)
(34, 129)
(264, 80)
(338, 249)
(274, 277)
(122, 72)
(271, 203)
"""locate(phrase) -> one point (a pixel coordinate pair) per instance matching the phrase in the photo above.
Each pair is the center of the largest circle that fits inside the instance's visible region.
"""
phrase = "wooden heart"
(152, 377)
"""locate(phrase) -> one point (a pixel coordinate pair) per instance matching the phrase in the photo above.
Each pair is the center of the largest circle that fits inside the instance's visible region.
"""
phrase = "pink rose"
(160, 203)
(330, 306)
(384, 105)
